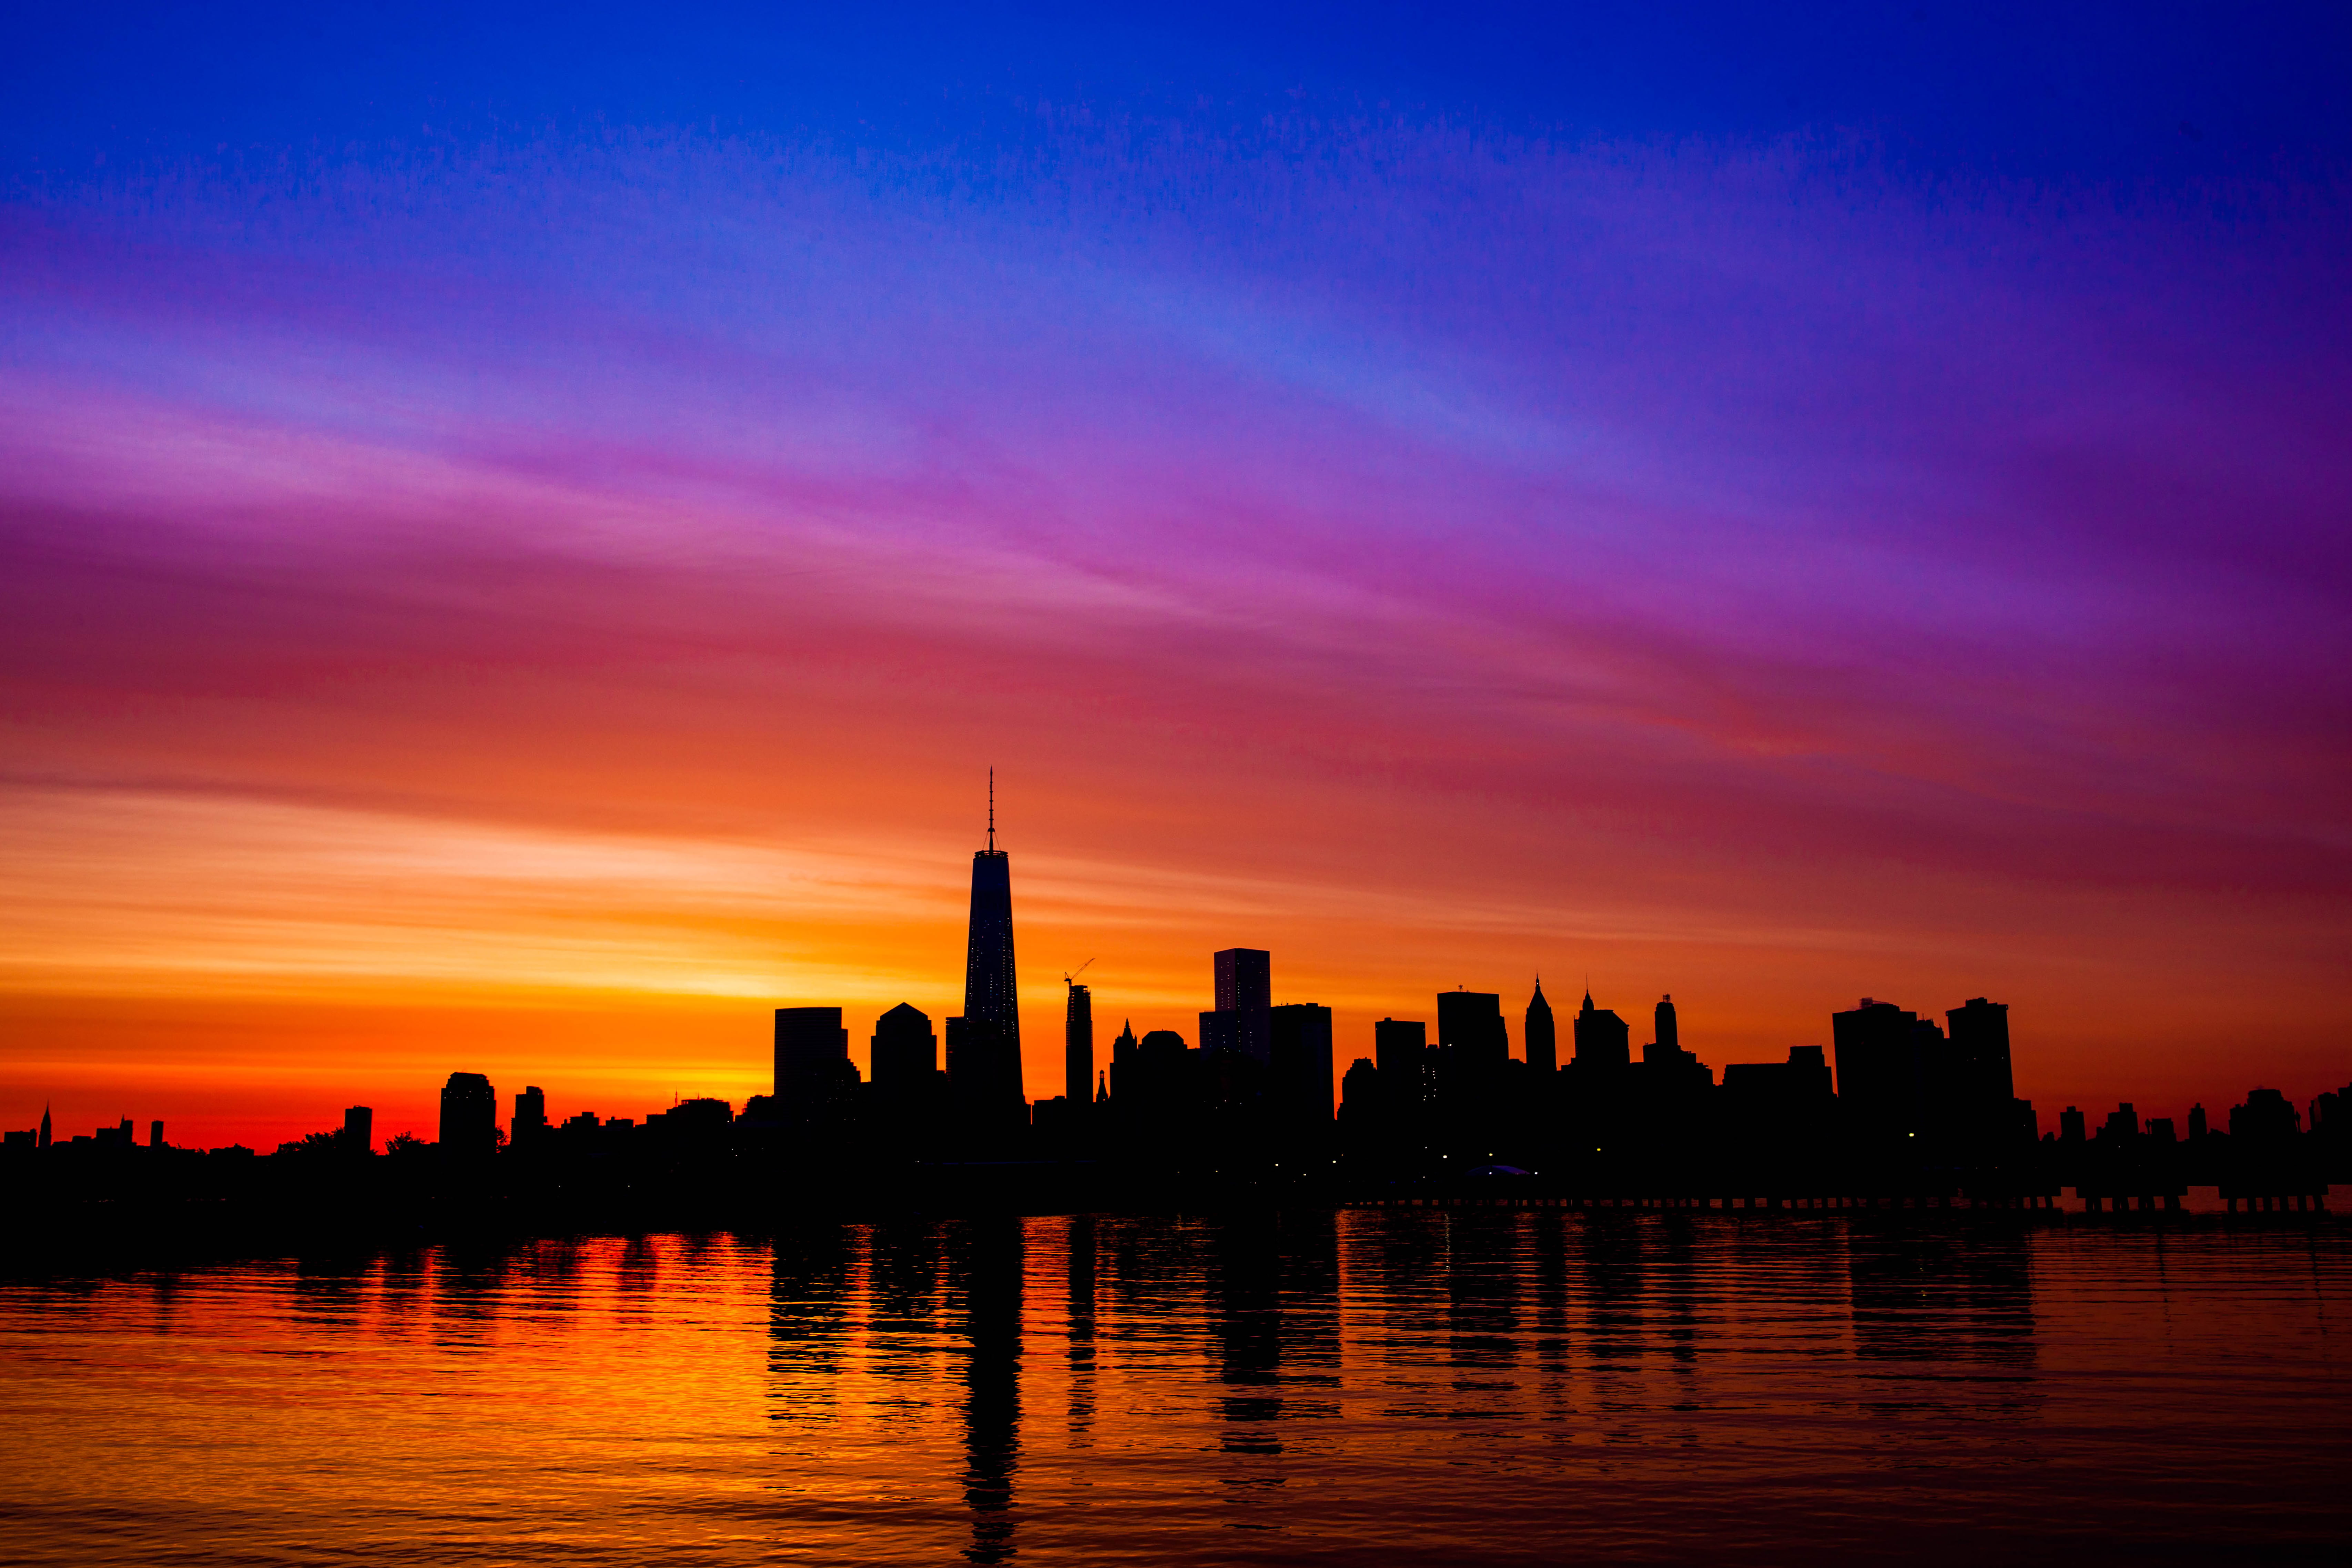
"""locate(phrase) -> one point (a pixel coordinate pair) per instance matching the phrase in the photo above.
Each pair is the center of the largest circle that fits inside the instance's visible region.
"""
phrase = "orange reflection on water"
(1363, 1386)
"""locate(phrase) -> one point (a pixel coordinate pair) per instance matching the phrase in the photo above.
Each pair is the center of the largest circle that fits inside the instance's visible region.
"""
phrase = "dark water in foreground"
(1428, 1387)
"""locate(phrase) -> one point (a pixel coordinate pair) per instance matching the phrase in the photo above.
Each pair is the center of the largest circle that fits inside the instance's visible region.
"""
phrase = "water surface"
(1419, 1387)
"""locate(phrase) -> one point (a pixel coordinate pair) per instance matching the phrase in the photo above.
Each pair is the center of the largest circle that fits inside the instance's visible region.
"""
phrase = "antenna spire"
(991, 811)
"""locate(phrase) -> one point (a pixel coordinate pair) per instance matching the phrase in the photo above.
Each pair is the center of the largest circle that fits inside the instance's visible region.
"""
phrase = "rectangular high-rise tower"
(811, 1050)
(1244, 979)
(1244, 989)
(1078, 1050)
(1470, 1031)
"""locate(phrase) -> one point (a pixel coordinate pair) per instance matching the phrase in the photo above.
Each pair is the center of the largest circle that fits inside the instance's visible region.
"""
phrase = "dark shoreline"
(107, 1237)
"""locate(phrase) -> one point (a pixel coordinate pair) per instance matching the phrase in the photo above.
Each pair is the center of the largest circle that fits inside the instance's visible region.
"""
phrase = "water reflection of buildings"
(987, 1257)
(1963, 1302)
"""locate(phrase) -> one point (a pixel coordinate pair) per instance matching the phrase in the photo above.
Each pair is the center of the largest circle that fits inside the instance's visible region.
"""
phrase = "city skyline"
(532, 553)
(969, 1049)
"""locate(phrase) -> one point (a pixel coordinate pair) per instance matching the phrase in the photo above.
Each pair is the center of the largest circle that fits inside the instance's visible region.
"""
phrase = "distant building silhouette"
(2266, 1117)
(1244, 991)
(1078, 1049)
(1884, 1064)
(1400, 1052)
(1542, 1044)
(1122, 1062)
(1470, 1033)
(154, 1135)
(1603, 1040)
(2197, 1122)
(814, 1074)
(1300, 1079)
(1244, 979)
(529, 1122)
(469, 1116)
(358, 1128)
(1360, 1102)
(904, 1053)
(2070, 1126)
(1792, 1097)
(45, 1127)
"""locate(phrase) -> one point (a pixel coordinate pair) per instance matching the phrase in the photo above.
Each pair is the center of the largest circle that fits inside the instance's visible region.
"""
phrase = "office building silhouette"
(1244, 979)
(1470, 1033)
(1399, 1046)
(1243, 987)
(1794, 1096)
(985, 1044)
(469, 1117)
(529, 1123)
(1122, 1062)
(154, 1135)
(903, 1052)
(1541, 1043)
(1881, 1068)
(814, 1074)
(1299, 1081)
(1078, 1049)
(1602, 1039)
(2267, 1117)
(358, 1128)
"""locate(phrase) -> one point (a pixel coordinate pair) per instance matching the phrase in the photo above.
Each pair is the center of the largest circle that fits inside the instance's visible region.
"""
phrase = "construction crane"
(1072, 977)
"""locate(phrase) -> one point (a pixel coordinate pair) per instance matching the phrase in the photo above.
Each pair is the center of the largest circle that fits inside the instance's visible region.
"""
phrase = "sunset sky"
(522, 533)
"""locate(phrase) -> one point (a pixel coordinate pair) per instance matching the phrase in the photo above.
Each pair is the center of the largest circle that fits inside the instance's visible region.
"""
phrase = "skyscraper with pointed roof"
(992, 1004)
(1542, 1041)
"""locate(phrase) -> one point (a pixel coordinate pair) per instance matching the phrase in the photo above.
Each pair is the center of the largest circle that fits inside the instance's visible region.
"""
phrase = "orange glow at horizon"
(243, 970)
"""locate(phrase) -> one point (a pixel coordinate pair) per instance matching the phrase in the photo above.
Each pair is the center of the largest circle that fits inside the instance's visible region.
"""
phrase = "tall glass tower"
(991, 1005)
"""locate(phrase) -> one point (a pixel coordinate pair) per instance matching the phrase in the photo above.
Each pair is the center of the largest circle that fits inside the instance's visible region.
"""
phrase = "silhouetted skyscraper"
(1300, 1054)
(1471, 1037)
(2267, 1117)
(987, 1066)
(529, 1116)
(1881, 1068)
(1245, 990)
(1401, 1056)
(1470, 1029)
(1669, 1034)
(1542, 1043)
(1399, 1044)
(1078, 1049)
(811, 1053)
(358, 1128)
(1122, 1062)
(469, 1116)
(1244, 979)
(154, 1135)
(1603, 1040)
(44, 1126)
(903, 1052)
(1981, 1094)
